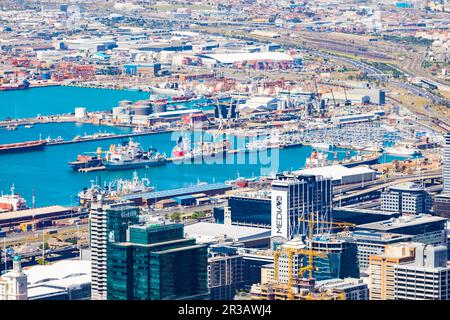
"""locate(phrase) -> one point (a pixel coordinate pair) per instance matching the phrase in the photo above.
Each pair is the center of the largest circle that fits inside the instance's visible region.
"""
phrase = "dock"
(92, 169)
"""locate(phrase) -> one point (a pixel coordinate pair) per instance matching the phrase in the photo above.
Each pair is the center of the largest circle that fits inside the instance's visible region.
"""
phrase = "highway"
(379, 186)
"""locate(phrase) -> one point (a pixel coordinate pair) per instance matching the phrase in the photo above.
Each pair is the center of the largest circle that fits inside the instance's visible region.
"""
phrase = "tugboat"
(131, 155)
(85, 161)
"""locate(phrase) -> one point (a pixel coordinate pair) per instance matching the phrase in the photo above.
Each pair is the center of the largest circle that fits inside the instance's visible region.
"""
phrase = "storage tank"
(80, 113)
(141, 110)
(120, 110)
(159, 108)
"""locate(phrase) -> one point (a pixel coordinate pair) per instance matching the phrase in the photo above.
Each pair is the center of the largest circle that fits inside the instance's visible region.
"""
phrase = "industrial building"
(238, 57)
(340, 174)
(157, 263)
(152, 197)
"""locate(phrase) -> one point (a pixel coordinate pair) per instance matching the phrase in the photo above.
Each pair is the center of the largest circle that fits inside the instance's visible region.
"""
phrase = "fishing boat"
(131, 155)
(202, 149)
(115, 188)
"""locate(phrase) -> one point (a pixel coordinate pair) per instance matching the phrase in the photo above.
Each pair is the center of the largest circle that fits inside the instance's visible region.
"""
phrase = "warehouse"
(206, 232)
(231, 58)
(340, 174)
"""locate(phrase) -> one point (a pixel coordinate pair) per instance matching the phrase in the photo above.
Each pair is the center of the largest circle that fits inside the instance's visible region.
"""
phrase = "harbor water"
(47, 174)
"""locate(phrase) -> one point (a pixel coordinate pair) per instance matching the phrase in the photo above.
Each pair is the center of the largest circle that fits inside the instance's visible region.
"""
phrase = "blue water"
(47, 174)
(58, 100)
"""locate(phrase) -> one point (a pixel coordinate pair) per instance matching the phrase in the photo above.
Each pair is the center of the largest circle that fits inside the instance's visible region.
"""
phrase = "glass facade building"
(250, 210)
(157, 264)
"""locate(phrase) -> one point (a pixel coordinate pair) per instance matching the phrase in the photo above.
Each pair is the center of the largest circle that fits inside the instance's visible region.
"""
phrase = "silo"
(159, 108)
(80, 113)
(141, 110)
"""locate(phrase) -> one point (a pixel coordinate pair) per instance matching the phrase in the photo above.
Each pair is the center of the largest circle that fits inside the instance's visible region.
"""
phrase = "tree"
(176, 216)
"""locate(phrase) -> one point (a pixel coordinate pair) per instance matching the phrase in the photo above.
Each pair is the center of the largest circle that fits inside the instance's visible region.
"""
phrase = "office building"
(108, 223)
(382, 270)
(157, 263)
(250, 209)
(446, 169)
(294, 199)
(423, 228)
(410, 271)
(225, 272)
(13, 284)
(254, 260)
(427, 278)
(441, 206)
(406, 198)
(371, 243)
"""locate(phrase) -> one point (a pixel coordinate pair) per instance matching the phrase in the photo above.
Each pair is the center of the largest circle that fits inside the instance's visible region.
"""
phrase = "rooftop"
(206, 232)
(401, 222)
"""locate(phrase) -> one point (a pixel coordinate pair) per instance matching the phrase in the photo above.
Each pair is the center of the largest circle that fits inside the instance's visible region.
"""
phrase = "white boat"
(322, 146)
(166, 91)
(402, 151)
(28, 126)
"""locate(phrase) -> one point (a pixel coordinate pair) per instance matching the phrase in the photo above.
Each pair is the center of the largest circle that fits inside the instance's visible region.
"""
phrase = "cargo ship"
(22, 146)
(12, 202)
(24, 85)
(131, 155)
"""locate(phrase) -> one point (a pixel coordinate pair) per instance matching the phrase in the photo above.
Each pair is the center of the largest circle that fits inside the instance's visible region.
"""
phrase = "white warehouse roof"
(206, 232)
(335, 172)
(229, 58)
(60, 270)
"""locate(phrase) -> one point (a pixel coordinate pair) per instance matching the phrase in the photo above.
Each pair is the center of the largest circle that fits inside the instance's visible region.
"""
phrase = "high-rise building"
(371, 243)
(406, 198)
(337, 258)
(446, 169)
(294, 199)
(254, 260)
(225, 272)
(157, 263)
(13, 284)
(382, 270)
(108, 223)
(410, 271)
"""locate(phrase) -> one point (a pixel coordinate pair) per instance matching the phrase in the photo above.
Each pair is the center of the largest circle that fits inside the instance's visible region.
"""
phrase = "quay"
(109, 137)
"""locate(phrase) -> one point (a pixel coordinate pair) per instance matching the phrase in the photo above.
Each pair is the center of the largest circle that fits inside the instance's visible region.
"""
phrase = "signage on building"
(279, 214)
